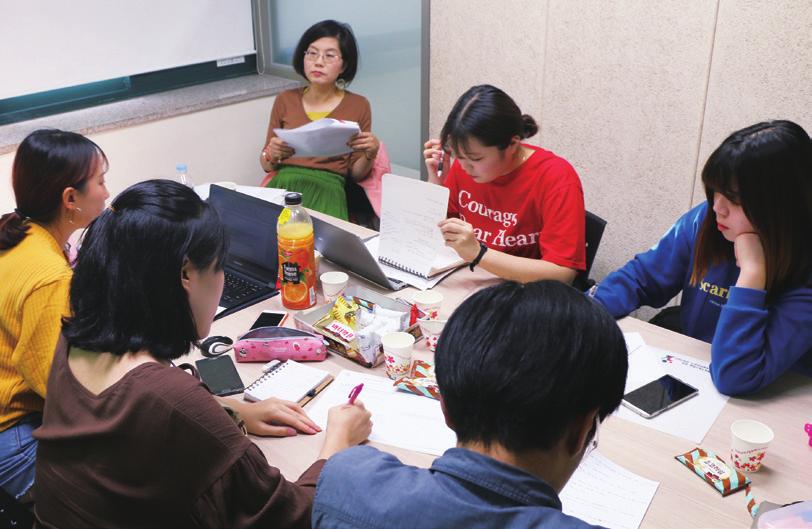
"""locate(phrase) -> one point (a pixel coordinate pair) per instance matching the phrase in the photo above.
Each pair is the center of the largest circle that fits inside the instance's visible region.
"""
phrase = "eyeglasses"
(593, 444)
(329, 57)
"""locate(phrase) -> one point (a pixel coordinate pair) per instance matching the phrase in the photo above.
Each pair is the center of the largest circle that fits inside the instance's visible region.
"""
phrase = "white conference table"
(682, 499)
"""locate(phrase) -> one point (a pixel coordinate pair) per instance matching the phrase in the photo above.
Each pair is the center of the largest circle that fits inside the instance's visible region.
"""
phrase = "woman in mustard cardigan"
(58, 181)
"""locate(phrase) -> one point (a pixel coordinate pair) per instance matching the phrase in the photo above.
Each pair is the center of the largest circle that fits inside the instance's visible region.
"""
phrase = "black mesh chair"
(595, 227)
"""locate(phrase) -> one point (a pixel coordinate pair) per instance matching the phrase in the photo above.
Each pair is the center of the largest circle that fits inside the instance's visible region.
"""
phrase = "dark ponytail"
(489, 115)
(47, 162)
(530, 126)
(12, 229)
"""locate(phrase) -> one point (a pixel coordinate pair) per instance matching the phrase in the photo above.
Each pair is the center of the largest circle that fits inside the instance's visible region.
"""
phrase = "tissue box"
(306, 321)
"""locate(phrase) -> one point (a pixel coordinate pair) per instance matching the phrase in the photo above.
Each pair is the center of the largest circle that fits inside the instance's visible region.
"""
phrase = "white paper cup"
(397, 353)
(431, 330)
(429, 301)
(749, 443)
(333, 284)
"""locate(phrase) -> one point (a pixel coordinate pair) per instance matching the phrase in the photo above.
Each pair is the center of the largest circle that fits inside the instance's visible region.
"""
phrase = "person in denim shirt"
(526, 373)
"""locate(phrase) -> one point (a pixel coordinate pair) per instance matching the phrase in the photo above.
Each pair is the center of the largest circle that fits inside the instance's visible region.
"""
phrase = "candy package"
(710, 467)
(420, 380)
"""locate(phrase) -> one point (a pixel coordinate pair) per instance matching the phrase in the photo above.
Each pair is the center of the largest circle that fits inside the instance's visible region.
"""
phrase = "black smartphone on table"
(650, 400)
(220, 375)
(270, 318)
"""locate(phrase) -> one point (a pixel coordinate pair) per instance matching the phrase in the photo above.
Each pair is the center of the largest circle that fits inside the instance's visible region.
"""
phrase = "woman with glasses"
(327, 57)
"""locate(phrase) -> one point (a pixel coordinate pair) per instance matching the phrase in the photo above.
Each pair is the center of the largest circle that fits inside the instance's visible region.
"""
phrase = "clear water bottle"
(182, 172)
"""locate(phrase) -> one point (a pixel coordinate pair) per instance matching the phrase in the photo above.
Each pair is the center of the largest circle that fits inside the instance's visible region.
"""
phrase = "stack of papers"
(601, 492)
(323, 137)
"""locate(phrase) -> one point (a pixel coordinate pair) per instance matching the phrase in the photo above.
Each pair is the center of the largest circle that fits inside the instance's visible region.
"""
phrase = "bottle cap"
(293, 199)
(181, 167)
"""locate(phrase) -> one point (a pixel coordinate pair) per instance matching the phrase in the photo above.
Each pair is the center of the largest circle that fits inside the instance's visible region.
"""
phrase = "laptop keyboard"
(237, 289)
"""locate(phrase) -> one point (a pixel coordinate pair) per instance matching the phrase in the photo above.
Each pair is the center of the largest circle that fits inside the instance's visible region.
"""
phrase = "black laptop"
(252, 261)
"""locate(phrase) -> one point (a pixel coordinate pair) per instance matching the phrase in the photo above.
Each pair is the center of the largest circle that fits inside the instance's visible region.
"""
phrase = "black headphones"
(215, 346)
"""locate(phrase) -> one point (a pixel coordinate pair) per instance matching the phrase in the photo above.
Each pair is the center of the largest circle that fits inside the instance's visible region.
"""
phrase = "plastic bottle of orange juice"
(297, 260)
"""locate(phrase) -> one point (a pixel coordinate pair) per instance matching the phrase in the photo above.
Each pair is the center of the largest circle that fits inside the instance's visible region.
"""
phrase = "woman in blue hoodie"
(743, 260)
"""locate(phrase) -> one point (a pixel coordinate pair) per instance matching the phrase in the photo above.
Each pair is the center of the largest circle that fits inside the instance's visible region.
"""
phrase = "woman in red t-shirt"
(514, 209)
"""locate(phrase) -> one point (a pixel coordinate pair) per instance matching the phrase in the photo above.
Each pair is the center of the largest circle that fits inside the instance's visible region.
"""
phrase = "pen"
(440, 165)
(354, 393)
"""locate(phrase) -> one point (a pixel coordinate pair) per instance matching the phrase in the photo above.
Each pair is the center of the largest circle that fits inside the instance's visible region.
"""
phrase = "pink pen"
(354, 393)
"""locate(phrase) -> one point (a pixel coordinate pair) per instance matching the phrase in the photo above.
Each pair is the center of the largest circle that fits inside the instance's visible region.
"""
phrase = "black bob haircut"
(488, 114)
(342, 32)
(126, 294)
(516, 364)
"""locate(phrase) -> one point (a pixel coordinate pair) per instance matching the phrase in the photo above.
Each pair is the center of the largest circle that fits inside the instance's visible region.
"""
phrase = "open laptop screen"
(251, 226)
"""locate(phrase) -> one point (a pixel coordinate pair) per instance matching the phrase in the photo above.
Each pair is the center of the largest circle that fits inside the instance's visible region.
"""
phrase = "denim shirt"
(363, 488)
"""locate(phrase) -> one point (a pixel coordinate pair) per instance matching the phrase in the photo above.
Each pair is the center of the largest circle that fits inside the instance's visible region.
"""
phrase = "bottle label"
(290, 272)
(297, 276)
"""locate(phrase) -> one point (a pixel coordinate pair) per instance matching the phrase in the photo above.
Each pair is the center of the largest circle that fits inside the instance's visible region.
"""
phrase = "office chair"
(13, 514)
(595, 227)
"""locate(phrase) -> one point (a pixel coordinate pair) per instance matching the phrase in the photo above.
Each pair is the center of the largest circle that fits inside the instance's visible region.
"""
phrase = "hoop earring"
(341, 84)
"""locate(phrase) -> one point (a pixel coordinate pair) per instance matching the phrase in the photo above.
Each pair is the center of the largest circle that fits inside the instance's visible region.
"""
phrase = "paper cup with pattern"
(397, 353)
(749, 443)
(431, 330)
(333, 284)
(429, 301)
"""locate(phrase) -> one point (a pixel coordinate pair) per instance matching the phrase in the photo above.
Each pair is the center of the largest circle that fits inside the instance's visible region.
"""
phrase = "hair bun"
(529, 126)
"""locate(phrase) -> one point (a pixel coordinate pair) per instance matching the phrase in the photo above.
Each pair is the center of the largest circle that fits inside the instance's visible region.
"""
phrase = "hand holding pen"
(435, 159)
(347, 425)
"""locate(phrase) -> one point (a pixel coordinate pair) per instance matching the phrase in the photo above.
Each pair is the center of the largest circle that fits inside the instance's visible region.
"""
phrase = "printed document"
(323, 137)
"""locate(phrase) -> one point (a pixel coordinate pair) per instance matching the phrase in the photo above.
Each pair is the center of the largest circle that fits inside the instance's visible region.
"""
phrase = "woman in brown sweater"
(327, 57)
(129, 440)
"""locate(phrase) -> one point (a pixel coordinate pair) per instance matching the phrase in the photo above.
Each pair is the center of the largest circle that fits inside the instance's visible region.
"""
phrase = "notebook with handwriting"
(288, 380)
(409, 238)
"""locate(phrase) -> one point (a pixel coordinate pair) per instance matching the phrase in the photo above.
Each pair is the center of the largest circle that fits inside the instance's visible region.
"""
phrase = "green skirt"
(321, 190)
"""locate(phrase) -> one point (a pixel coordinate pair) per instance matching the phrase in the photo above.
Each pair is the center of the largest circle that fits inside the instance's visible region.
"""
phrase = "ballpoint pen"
(354, 392)
(440, 165)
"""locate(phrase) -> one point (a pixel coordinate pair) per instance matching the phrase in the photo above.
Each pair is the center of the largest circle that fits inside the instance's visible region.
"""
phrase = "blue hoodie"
(752, 344)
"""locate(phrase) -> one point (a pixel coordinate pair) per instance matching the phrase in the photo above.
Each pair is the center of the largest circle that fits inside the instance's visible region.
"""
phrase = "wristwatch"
(478, 258)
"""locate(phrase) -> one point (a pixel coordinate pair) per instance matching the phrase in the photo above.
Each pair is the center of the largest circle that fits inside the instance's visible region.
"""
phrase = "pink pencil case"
(279, 343)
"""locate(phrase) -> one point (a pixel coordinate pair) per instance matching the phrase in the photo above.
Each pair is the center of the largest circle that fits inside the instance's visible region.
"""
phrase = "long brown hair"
(767, 168)
(47, 162)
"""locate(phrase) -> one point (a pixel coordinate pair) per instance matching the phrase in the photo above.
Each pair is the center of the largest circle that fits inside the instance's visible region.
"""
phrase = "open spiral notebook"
(288, 380)
(409, 238)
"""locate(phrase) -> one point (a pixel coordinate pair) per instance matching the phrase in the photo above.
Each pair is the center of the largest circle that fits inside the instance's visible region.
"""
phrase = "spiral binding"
(267, 376)
(393, 264)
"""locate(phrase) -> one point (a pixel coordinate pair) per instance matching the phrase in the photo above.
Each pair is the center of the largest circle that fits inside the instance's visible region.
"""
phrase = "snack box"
(306, 320)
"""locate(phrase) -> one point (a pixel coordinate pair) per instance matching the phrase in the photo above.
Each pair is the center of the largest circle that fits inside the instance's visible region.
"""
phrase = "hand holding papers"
(323, 137)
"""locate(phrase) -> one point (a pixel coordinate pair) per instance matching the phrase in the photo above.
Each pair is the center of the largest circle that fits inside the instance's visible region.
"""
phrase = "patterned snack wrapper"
(710, 467)
(420, 380)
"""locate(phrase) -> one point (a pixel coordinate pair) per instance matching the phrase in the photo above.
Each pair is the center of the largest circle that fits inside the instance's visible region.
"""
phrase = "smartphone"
(270, 318)
(220, 375)
(658, 395)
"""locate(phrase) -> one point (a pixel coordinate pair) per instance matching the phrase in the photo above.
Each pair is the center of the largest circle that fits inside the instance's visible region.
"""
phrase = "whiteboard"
(47, 44)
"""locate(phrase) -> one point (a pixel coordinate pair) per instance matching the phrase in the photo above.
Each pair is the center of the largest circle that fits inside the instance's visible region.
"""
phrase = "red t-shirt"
(535, 211)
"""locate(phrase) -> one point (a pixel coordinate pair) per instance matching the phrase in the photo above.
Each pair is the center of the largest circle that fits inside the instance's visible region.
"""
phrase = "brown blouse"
(288, 113)
(155, 450)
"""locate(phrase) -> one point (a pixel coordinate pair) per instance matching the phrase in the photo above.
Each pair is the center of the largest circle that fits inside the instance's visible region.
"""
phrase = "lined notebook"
(288, 380)
(410, 239)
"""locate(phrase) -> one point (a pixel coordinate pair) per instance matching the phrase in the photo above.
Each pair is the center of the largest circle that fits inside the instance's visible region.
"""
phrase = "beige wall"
(634, 94)
(218, 144)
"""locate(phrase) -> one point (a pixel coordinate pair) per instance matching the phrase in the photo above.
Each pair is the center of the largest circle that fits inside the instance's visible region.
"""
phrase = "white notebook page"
(410, 212)
(290, 381)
